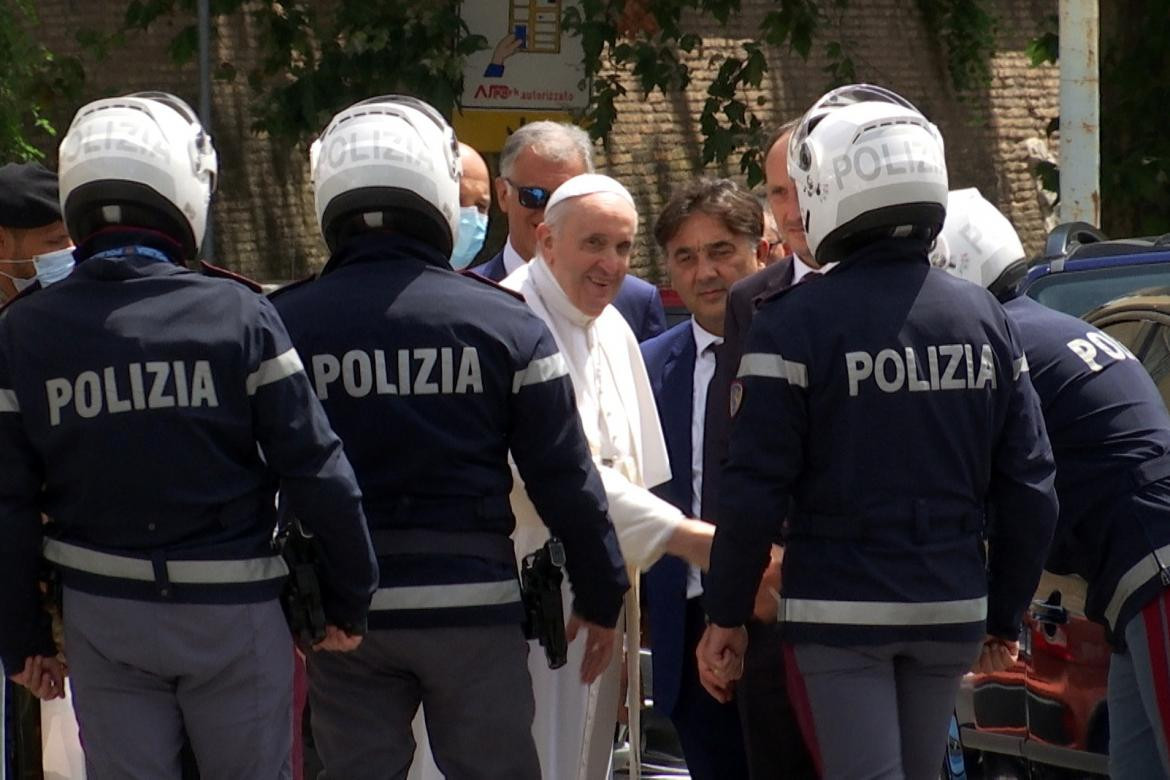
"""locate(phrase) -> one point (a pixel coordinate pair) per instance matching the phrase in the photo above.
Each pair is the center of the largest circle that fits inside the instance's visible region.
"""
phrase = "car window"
(1149, 340)
(1078, 292)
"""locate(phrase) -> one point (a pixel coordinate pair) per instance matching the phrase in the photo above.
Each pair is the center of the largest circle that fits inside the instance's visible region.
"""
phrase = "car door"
(1068, 661)
(1050, 708)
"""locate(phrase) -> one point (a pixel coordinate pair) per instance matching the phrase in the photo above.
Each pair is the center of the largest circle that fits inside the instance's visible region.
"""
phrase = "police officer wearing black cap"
(152, 413)
(886, 421)
(430, 378)
(35, 248)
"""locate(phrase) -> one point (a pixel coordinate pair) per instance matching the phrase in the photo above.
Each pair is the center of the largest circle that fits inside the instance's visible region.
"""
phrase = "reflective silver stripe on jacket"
(274, 369)
(1019, 366)
(70, 556)
(773, 367)
(471, 594)
(8, 402)
(883, 613)
(1139, 574)
(541, 370)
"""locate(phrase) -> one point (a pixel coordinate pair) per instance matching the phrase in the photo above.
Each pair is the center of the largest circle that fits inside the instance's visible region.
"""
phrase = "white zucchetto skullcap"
(588, 184)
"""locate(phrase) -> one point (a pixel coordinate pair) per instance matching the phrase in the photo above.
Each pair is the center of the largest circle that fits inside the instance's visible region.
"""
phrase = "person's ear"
(502, 193)
(763, 249)
(544, 240)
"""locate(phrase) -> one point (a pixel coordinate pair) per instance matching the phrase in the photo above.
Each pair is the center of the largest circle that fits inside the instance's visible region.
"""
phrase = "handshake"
(721, 651)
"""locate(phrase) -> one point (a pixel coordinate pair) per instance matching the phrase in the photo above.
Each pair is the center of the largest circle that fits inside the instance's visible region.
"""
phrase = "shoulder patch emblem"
(736, 397)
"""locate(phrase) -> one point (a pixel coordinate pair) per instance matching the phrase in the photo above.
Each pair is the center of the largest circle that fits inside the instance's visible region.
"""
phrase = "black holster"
(544, 613)
(301, 598)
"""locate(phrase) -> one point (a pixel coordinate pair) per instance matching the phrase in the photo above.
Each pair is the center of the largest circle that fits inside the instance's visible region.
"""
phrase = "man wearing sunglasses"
(535, 160)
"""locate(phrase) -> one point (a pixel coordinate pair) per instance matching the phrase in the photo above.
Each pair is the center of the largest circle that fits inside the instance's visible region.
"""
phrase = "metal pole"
(204, 24)
(1080, 122)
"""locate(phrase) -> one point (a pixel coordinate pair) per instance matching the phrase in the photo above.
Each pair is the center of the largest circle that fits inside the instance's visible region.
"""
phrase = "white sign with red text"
(530, 62)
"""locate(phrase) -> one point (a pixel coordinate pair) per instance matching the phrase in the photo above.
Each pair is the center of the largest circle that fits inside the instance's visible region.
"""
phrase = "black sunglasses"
(531, 197)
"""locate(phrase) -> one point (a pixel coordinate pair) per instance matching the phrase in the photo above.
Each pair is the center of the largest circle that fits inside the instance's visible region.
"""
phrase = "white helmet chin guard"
(393, 162)
(977, 242)
(142, 160)
(867, 165)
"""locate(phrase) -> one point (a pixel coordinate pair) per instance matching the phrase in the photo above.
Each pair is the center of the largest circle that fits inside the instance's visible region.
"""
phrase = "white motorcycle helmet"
(977, 242)
(142, 160)
(867, 165)
(390, 161)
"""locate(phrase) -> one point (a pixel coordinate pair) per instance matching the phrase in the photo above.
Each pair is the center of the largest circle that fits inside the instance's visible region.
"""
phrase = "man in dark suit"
(711, 233)
(535, 160)
(775, 745)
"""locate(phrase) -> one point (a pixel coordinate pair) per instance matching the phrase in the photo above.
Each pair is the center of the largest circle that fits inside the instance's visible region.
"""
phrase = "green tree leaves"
(31, 78)
(317, 58)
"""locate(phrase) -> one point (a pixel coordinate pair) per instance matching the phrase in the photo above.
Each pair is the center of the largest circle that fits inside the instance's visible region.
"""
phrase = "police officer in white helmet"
(151, 413)
(883, 412)
(979, 244)
(431, 378)
(1110, 435)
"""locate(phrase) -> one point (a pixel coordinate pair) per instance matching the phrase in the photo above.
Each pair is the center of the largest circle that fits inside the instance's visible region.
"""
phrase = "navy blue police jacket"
(1110, 434)
(152, 413)
(430, 378)
(890, 403)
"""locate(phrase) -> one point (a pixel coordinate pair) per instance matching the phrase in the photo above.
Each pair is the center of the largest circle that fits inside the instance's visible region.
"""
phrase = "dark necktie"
(714, 417)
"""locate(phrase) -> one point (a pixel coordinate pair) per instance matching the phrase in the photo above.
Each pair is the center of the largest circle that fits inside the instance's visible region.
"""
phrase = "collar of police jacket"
(379, 245)
(887, 250)
(130, 265)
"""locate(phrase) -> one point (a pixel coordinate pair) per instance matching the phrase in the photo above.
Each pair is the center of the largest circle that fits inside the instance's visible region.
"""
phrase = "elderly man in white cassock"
(583, 253)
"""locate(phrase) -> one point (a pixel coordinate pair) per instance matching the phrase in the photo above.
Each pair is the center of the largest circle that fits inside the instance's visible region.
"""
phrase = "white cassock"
(574, 723)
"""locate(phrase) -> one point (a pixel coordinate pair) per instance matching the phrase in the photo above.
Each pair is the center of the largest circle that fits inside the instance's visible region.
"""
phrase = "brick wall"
(264, 210)
(657, 143)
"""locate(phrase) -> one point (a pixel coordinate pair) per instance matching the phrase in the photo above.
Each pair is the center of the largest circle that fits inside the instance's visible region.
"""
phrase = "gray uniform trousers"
(143, 673)
(473, 681)
(880, 712)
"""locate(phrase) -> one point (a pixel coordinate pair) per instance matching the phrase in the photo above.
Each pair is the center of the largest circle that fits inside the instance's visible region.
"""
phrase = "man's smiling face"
(588, 248)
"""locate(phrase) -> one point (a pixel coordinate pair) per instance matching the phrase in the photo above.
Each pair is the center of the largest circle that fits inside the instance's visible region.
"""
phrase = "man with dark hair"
(535, 160)
(711, 233)
(775, 746)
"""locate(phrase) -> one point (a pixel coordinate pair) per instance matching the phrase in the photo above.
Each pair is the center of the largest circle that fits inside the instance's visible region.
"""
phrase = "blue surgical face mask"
(52, 267)
(472, 231)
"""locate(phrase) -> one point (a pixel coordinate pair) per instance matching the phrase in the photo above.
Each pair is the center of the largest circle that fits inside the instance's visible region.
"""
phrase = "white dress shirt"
(704, 372)
(512, 258)
(799, 268)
